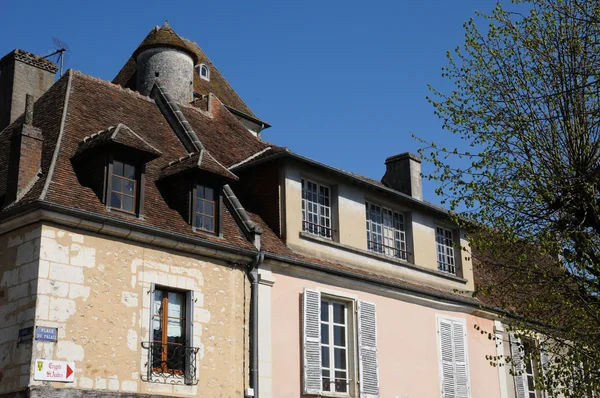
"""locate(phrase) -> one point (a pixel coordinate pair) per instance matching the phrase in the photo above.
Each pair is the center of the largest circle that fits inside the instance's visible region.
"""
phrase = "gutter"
(264, 125)
(253, 276)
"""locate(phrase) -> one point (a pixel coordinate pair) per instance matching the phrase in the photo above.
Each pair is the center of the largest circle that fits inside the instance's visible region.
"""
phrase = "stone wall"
(19, 263)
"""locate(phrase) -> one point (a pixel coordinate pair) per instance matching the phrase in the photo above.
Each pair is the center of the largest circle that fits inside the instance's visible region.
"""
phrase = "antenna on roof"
(60, 48)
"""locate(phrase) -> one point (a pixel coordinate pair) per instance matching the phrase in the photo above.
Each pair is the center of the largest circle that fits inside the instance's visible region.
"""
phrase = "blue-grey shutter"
(311, 323)
(518, 367)
(190, 355)
(367, 350)
(447, 358)
(461, 368)
(151, 337)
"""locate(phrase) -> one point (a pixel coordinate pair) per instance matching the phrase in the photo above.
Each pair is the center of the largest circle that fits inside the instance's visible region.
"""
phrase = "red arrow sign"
(69, 371)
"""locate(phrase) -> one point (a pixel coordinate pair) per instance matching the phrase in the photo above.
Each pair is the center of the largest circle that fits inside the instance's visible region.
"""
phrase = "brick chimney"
(403, 173)
(22, 73)
(25, 156)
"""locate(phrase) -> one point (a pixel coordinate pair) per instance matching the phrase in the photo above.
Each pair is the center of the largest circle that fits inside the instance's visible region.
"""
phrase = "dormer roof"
(118, 135)
(202, 161)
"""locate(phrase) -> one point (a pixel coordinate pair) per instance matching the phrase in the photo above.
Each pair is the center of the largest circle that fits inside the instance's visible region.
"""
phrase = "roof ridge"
(112, 85)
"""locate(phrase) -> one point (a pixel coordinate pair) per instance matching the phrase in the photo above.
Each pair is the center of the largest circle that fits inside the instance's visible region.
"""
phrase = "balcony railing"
(171, 363)
(389, 251)
(317, 229)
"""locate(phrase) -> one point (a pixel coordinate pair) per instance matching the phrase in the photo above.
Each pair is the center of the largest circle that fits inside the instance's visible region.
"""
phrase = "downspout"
(253, 276)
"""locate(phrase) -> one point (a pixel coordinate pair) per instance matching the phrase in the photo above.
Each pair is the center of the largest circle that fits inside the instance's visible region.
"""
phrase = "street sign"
(25, 335)
(46, 334)
(50, 370)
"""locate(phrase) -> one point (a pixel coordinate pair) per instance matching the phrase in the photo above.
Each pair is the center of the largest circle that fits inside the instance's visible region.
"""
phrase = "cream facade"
(96, 290)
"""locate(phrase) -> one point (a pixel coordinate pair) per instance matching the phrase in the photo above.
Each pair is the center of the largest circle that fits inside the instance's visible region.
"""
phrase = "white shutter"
(545, 361)
(367, 350)
(312, 342)
(518, 367)
(190, 366)
(461, 369)
(447, 357)
(151, 337)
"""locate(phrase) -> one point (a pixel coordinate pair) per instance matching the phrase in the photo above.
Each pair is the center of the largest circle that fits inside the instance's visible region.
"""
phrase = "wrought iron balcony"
(171, 363)
(389, 251)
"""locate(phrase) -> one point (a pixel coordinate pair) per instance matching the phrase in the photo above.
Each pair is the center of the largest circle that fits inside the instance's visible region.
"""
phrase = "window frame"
(140, 176)
(448, 251)
(399, 234)
(217, 208)
(331, 324)
(165, 325)
(199, 69)
(329, 231)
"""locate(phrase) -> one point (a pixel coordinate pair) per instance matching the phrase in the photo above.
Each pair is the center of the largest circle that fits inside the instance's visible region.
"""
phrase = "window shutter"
(447, 357)
(151, 328)
(545, 362)
(518, 367)
(312, 341)
(367, 350)
(190, 366)
(460, 360)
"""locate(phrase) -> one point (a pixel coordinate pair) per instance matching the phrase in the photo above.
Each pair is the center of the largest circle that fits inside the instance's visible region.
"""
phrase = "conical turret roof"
(165, 37)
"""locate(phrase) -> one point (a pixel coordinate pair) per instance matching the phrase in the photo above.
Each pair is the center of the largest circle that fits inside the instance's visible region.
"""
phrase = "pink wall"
(407, 344)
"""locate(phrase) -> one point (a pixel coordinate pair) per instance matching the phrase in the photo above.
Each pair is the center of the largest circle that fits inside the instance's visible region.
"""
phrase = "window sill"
(124, 213)
(382, 257)
(336, 394)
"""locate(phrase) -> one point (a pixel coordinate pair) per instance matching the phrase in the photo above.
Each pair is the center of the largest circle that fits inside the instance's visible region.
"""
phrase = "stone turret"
(165, 56)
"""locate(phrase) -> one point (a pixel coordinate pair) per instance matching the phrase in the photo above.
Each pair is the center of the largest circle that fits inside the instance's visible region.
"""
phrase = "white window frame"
(452, 319)
(199, 68)
(348, 347)
(323, 227)
(378, 239)
(446, 256)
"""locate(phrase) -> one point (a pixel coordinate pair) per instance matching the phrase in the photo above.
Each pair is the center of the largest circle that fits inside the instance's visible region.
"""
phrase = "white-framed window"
(454, 368)
(526, 369)
(385, 231)
(203, 71)
(336, 341)
(445, 250)
(316, 209)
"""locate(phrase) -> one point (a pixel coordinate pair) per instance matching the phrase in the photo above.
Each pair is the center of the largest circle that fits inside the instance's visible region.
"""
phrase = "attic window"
(203, 71)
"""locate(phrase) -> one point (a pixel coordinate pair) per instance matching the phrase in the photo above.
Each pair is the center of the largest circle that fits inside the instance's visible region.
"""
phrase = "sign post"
(50, 370)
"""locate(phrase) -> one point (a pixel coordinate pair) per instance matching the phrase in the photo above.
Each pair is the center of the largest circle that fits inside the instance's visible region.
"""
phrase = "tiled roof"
(164, 37)
(217, 85)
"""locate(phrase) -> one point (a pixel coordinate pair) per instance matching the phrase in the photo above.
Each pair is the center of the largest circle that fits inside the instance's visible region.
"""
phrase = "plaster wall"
(19, 267)
(96, 291)
(349, 220)
(407, 339)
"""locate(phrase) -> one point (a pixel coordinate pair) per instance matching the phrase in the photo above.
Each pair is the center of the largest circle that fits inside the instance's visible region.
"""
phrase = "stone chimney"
(403, 173)
(22, 73)
(25, 157)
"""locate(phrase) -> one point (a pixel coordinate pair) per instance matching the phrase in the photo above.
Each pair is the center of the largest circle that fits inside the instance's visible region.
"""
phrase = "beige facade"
(95, 290)
(349, 244)
(409, 363)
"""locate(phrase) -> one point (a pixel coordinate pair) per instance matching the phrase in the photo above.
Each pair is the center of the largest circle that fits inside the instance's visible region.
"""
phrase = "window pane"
(116, 184)
(176, 303)
(200, 191)
(128, 203)
(324, 333)
(115, 200)
(199, 206)
(326, 384)
(158, 296)
(340, 358)
(129, 171)
(338, 313)
(157, 328)
(325, 357)
(208, 223)
(198, 221)
(175, 331)
(324, 311)
(339, 335)
(208, 193)
(208, 209)
(340, 381)
(129, 187)
(117, 168)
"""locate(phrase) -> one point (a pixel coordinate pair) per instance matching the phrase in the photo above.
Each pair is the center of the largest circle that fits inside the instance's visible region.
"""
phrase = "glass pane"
(198, 222)
(117, 168)
(200, 191)
(338, 313)
(128, 203)
(157, 328)
(175, 331)
(339, 335)
(324, 333)
(324, 311)
(340, 358)
(129, 171)
(528, 367)
(116, 184)
(325, 372)
(208, 209)
(530, 383)
(176, 303)
(158, 296)
(325, 357)
(208, 193)
(208, 224)
(326, 384)
(115, 200)
(340, 381)
(199, 206)
(129, 187)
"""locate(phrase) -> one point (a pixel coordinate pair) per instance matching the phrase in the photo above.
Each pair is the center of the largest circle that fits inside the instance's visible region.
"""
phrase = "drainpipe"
(253, 276)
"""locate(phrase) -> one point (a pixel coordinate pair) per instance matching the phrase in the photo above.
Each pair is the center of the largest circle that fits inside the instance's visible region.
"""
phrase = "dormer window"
(203, 71)
(445, 250)
(385, 231)
(205, 208)
(123, 186)
(316, 209)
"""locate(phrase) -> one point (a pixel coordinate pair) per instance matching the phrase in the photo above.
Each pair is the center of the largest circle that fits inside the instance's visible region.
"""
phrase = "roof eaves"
(256, 120)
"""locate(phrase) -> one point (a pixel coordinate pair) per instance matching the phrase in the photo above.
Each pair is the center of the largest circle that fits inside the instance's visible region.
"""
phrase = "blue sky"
(342, 82)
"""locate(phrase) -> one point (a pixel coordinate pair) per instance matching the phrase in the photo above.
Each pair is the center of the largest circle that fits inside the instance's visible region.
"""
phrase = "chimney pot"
(403, 173)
